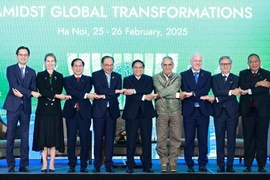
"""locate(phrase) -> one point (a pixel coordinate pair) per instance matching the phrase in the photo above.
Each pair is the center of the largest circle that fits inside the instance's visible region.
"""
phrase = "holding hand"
(208, 98)
(17, 93)
(150, 97)
(236, 92)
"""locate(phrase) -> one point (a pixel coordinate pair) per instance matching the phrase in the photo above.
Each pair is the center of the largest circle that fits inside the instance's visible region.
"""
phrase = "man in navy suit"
(138, 113)
(196, 83)
(77, 112)
(255, 111)
(225, 88)
(22, 86)
(107, 84)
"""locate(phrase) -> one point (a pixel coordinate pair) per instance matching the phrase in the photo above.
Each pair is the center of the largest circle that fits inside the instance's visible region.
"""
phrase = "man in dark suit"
(107, 84)
(77, 112)
(138, 113)
(22, 86)
(196, 83)
(225, 88)
(255, 111)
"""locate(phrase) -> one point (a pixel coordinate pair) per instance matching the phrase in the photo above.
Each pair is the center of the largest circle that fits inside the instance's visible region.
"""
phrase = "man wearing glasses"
(22, 86)
(225, 88)
(107, 84)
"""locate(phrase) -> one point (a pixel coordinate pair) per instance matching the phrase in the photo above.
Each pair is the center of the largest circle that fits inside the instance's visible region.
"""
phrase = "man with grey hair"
(168, 106)
(196, 83)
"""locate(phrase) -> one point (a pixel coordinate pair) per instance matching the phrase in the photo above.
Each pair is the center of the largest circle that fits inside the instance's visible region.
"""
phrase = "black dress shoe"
(202, 169)
(71, 169)
(44, 170)
(84, 170)
(129, 170)
(247, 169)
(110, 170)
(220, 169)
(148, 170)
(51, 170)
(230, 169)
(261, 169)
(23, 169)
(96, 170)
(190, 169)
(11, 170)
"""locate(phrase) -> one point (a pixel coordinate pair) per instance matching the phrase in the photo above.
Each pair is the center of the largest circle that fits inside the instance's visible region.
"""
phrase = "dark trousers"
(12, 121)
(225, 123)
(73, 124)
(132, 126)
(200, 122)
(255, 131)
(104, 127)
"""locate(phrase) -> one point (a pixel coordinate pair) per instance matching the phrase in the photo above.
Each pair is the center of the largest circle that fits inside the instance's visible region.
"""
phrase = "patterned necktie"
(22, 72)
(196, 77)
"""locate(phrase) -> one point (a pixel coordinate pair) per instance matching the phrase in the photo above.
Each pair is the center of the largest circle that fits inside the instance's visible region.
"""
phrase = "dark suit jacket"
(134, 102)
(221, 92)
(200, 89)
(26, 86)
(77, 92)
(259, 94)
(101, 88)
(47, 104)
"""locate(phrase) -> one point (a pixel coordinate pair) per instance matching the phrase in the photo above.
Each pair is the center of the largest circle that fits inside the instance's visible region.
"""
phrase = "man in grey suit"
(168, 106)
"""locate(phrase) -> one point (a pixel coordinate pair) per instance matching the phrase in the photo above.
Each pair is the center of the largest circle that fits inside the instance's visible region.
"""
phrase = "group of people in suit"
(180, 100)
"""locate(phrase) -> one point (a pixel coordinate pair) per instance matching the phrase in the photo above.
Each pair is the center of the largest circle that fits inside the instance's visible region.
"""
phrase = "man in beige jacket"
(169, 121)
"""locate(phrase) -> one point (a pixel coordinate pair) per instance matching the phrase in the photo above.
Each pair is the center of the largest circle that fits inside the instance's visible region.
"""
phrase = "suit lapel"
(220, 81)
(229, 82)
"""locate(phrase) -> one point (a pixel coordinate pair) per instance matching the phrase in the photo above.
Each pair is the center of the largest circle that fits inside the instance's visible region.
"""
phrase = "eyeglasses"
(225, 64)
(138, 67)
(23, 55)
(254, 62)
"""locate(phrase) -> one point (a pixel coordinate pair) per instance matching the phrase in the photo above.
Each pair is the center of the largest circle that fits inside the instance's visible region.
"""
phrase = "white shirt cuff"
(177, 95)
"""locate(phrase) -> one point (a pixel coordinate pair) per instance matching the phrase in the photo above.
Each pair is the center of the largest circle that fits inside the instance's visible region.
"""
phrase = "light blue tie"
(196, 77)
(108, 76)
(22, 73)
(196, 80)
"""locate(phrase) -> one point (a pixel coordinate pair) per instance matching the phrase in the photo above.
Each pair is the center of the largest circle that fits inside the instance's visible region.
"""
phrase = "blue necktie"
(196, 77)
(22, 73)
(108, 76)
(224, 79)
(196, 80)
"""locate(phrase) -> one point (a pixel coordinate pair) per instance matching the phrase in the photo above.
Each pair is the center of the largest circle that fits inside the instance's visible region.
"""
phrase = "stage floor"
(61, 167)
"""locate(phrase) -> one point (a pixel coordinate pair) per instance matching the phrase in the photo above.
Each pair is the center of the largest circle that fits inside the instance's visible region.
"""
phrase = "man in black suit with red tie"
(225, 88)
(77, 112)
(255, 111)
(138, 113)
